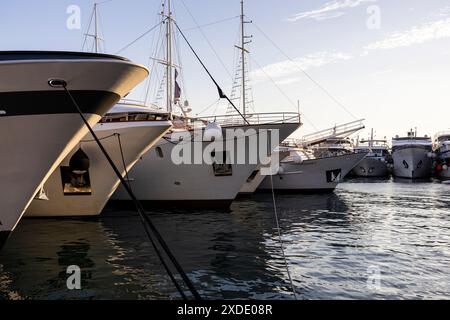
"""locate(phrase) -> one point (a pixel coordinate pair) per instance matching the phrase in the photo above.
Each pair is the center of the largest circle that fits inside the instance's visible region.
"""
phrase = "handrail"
(340, 131)
(254, 118)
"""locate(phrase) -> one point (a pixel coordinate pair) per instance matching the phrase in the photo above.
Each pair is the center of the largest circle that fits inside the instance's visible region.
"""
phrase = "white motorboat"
(39, 122)
(84, 181)
(442, 151)
(376, 163)
(324, 143)
(412, 156)
(303, 172)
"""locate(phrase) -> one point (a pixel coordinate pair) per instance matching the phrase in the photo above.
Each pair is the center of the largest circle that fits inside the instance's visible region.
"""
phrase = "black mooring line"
(138, 205)
(147, 231)
(221, 94)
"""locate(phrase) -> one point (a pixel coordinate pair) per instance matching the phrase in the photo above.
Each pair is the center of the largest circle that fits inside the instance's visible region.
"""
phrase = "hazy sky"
(387, 61)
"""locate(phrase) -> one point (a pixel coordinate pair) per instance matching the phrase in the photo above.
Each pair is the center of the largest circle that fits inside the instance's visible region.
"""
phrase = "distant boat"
(39, 124)
(442, 145)
(412, 156)
(376, 163)
(303, 172)
(84, 182)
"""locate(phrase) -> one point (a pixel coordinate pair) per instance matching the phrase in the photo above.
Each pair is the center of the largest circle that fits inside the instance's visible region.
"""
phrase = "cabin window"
(405, 164)
(159, 152)
(221, 164)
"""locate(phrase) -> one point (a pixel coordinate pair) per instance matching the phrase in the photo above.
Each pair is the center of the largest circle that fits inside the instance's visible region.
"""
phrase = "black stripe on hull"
(55, 55)
(298, 191)
(173, 204)
(55, 102)
(4, 235)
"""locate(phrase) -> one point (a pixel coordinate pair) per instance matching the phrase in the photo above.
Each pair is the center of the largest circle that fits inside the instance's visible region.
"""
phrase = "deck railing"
(254, 118)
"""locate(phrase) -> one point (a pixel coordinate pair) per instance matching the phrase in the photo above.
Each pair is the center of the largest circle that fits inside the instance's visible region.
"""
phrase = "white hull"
(189, 184)
(31, 158)
(323, 174)
(412, 163)
(39, 124)
(371, 167)
(136, 139)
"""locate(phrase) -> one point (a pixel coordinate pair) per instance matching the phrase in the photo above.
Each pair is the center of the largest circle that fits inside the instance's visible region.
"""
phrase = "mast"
(243, 52)
(169, 57)
(243, 57)
(96, 38)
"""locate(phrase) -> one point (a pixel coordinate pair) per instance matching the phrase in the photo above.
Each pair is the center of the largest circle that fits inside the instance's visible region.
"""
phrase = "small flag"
(177, 95)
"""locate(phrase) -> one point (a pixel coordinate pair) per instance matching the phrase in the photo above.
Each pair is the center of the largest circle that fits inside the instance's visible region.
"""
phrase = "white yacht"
(84, 181)
(205, 185)
(412, 156)
(303, 172)
(376, 163)
(311, 146)
(39, 122)
(442, 151)
(216, 178)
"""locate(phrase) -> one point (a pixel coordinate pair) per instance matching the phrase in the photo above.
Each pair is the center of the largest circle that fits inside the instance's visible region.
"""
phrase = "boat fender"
(213, 132)
(297, 159)
(280, 170)
(79, 162)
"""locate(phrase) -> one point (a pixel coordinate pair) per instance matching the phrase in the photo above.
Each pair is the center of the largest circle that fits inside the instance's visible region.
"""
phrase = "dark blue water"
(376, 239)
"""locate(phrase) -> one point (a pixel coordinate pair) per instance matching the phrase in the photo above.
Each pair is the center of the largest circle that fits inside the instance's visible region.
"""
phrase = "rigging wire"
(211, 23)
(281, 239)
(141, 211)
(219, 89)
(207, 40)
(87, 31)
(328, 93)
(282, 91)
(138, 38)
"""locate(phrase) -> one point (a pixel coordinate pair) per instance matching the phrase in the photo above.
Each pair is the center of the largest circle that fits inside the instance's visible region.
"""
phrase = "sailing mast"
(169, 57)
(243, 52)
(96, 38)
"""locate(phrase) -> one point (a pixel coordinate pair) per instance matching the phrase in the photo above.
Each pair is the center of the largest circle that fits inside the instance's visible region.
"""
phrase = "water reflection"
(335, 244)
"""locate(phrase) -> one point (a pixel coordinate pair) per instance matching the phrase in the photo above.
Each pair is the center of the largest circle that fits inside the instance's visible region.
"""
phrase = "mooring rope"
(141, 211)
(281, 239)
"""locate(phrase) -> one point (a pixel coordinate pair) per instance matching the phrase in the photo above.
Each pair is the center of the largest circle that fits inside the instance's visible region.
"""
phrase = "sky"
(387, 61)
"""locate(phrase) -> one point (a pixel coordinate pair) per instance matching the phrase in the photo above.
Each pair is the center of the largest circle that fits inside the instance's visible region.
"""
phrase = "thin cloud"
(329, 10)
(288, 68)
(416, 35)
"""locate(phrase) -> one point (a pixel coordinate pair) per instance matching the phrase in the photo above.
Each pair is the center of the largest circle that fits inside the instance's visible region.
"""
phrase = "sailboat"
(215, 181)
(84, 181)
(39, 121)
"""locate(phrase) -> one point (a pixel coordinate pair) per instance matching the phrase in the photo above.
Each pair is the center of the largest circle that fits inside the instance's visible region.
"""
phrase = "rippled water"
(370, 239)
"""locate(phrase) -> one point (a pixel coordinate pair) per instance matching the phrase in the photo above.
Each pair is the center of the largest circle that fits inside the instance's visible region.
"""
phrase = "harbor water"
(370, 239)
